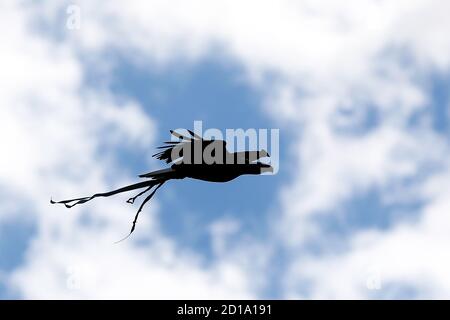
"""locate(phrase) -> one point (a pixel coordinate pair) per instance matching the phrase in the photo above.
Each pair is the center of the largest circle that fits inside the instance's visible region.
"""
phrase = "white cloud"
(316, 63)
(52, 128)
(80, 267)
(220, 231)
(411, 255)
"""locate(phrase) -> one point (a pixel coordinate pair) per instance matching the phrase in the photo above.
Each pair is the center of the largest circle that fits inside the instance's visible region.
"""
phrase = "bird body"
(191, 157)
(216, 172)
(201, 151)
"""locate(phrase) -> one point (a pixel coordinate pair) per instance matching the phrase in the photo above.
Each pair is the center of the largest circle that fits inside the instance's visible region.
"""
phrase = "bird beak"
(267, 168)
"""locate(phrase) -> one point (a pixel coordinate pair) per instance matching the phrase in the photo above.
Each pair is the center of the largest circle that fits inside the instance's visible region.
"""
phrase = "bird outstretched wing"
(173, 150)
(168, 154)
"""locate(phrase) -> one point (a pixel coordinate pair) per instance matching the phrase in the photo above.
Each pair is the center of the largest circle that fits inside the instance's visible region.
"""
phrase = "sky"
(358, 90)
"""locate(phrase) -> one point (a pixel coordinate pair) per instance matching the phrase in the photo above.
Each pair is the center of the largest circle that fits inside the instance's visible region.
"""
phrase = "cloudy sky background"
(359, 90)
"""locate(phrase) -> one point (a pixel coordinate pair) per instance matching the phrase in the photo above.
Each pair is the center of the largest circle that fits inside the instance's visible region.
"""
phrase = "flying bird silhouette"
(189, 160)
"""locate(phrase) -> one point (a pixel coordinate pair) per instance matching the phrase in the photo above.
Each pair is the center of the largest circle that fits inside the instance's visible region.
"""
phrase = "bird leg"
(140, 209)
(131, 200)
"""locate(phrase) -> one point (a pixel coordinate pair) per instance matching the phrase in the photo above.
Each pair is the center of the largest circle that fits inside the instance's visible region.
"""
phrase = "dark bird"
(191, 157)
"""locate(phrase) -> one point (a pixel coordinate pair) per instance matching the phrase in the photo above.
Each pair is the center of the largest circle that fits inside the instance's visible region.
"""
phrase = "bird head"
(263, 153)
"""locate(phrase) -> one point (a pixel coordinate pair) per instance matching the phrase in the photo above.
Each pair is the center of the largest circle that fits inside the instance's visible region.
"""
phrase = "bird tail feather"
(69, 203)
(159, 174)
